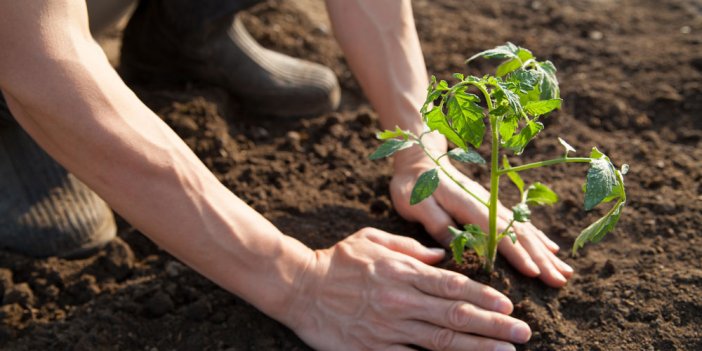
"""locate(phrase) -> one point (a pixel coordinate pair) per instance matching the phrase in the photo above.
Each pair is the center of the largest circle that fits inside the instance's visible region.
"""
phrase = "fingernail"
(533, 267)
(567, 267)
(437, 251)
(559, 277)
(505, 347)
(521, 332)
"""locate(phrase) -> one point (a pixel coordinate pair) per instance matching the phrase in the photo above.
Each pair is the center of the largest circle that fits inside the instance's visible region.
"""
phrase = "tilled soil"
(631, 77)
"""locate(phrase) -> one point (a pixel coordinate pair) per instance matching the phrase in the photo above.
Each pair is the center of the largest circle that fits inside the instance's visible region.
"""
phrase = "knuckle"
(452, 285)
(392, 300)
(442, 339)
(394, 269)
(459, 315)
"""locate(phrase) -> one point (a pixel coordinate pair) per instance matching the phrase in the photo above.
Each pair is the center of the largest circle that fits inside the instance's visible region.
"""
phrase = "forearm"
(381, 46)
(78, 109)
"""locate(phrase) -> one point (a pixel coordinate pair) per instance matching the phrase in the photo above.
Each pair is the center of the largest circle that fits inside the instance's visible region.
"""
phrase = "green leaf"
(512, 236)
(518, 142)
(600, 182)
(390, 134)
(521, 212)
(434, 91)
(458, 245)
(468, 156)
(507, 127)
(567, 146)
(539, 194)
(467, 117)
(596, 153)
(549, 83)
(507, 67)
(596, 231)
(472, 237)
(508, 50)
(514, 176)
(458, 76)
(525, 79)
(504, 95)
(425, 186)
(436, 120)
(538, 108)
(390, 147)
(511, 65)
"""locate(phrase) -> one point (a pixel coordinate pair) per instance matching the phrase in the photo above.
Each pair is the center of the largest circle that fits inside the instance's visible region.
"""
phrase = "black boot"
(44, 210)
(171, 40)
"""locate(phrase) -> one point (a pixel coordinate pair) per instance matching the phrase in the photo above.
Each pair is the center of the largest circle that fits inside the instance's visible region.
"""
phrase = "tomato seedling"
(522, 91)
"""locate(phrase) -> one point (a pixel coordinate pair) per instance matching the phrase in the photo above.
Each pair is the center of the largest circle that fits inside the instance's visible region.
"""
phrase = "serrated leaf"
(505, 96)
(471, 237)
(436, 120)
(508, 50)
(390, 134)
(540, 194)
(525, 80)
(549, 83)
(468, 156)
(600, 181)
(425, 186)
(538, 108)
(467, 117)
(518, 142)
(521, 212)
(458, 76)
(434, 91)
(596, 231)
(567, 146)
(514, 176)
(390, 147)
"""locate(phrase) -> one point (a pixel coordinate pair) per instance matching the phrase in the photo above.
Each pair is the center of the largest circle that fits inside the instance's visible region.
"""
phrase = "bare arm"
(63, 91)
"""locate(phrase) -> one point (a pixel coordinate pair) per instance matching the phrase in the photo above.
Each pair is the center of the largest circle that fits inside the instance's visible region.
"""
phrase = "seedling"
(522, 91)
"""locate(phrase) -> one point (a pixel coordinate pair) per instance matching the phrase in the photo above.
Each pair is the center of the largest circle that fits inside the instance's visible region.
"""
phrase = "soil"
(631, 77)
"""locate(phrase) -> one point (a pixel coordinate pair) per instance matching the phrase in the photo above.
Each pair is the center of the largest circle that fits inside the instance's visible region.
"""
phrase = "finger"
(432, 337)
(518, 257)
(466, 317)
(453, 286)
(435, 220)
(405, 245)
(538, 252)
(565, 269)
(552, 246)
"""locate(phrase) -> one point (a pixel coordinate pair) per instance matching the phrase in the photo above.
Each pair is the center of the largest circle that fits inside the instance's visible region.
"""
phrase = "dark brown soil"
(631, 76)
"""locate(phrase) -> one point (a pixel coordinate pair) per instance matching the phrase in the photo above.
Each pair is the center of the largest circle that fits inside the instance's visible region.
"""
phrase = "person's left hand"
(533, 254)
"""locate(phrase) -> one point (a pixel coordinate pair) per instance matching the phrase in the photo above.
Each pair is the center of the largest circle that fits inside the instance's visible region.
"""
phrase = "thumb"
(407, 246)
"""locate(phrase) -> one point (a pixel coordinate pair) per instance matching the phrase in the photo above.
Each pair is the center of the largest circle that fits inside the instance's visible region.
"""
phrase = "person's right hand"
(377, 291)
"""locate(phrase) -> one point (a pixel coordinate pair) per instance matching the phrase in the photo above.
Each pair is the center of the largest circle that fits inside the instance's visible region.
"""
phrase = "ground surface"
(631, 76)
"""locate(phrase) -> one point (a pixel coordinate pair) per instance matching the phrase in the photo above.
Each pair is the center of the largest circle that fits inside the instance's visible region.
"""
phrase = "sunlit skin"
(62, 90)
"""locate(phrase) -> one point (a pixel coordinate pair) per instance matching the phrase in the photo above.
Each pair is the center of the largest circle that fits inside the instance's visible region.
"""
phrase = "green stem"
(545, 163)
(504, 232)
(494, 190)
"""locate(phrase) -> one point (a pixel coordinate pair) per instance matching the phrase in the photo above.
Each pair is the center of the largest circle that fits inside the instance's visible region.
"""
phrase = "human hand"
(377, 291)
(533, 254)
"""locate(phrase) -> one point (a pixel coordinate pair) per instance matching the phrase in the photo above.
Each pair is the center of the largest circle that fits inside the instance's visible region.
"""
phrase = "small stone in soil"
(198, 310)
(159, 304)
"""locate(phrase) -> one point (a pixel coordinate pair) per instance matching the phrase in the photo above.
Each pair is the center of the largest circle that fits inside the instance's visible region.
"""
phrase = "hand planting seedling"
(522, 91)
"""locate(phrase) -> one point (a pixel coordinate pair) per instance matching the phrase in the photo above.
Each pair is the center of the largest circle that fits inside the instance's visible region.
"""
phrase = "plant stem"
(545, 163)
(494, 190)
